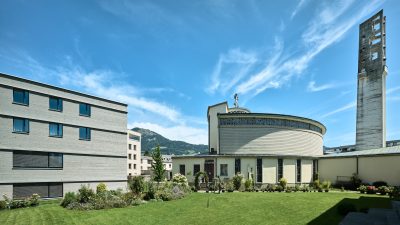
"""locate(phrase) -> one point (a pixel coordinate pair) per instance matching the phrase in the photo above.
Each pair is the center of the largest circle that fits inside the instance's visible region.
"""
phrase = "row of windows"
(130, 166)
(130, 147)
(130, 156)
(55, 103)
(259, 168)
(28, 159)
(21, 125)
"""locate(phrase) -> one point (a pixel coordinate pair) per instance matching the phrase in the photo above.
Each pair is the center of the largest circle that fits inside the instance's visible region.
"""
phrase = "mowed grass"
(226, 208)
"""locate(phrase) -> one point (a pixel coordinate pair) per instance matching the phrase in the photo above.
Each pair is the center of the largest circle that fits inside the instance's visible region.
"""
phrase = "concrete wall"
(370, 168)
(213, 134)
(189, 164)
(270, 140)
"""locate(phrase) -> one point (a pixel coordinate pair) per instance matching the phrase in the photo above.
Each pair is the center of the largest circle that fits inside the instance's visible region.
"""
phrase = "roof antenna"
(236, 97)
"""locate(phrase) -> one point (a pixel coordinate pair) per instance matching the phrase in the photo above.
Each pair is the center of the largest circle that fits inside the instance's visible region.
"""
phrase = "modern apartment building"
(54, 140)
(133, 153)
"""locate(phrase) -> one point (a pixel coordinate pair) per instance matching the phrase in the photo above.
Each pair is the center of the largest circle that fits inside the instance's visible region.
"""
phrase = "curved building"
(261, 146)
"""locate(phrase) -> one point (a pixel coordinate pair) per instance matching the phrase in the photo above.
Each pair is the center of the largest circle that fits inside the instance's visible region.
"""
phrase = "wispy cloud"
(311, 87)
(341, 109)
(299, 6)
(392, 90)
(327, 27)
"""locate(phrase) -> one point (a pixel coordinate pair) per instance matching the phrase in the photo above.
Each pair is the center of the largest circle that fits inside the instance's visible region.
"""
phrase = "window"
(259, 170)
(134, 156)
(298, 171)
(84, 133)
(374, 55)
(130, 146)
(84, 109)
(20, 125)
(55, 104)
(55, 130)
(169, 165)
(224, 169)
(182, 169)
(134, 147)
(28, 159)
(130, 165)
(196, 168)
(134, 166)
(280, 168)
(134, 137)
(20, 96)
(45, 190)
(315, 169)
(129, 156)
(237, 166)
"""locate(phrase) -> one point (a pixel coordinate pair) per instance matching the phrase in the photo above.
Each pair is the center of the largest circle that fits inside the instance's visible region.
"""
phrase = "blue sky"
(169, 60)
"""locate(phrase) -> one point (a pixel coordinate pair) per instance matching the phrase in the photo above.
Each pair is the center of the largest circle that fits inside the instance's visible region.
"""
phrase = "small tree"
(158, 167)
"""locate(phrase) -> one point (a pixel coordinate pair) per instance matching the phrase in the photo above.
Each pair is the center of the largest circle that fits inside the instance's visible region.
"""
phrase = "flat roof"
(242, 155)
(370, 152)
(60, 89)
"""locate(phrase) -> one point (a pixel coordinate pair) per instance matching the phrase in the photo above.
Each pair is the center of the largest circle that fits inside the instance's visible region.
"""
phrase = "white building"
(134, 153)
(53, 140)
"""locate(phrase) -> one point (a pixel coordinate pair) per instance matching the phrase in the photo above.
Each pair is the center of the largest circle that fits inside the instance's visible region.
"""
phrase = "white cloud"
(341, 109)
(299, 6)
(313, 88)
(178, 132)
(327, 27)
(392, 90)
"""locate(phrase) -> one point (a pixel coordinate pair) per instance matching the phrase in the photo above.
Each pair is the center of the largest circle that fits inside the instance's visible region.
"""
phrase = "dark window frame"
(280, 169)
(88, 134)
(48, 184)
(298, 170)
(87, 108)
(25, 126)
(182, 167)
(59, 104)
(40, 167)
(25, 97)
(195, 170)
(238, 166)
(60, 130)
(259, 170)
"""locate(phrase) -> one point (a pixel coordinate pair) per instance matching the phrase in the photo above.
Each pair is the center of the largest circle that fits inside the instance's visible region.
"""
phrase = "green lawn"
(227, 208)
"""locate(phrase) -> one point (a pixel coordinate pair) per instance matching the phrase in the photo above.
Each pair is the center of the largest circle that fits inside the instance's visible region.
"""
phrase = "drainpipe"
(357, 164)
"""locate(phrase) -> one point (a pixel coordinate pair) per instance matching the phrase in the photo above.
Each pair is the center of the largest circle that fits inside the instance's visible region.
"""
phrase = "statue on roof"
(236, 97)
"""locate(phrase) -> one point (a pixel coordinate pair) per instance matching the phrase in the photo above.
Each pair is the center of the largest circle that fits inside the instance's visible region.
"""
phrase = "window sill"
(84, 115)
(21, 132)
(18, 103)
(84, 139)
(55, 136)
(35, 168)
(55, 110)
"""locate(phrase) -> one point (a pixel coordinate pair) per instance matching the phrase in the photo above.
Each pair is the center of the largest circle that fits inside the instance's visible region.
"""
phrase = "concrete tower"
(371, 90)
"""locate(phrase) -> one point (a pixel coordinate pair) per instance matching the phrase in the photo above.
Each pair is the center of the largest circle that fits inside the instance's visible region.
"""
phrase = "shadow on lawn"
(331, 216)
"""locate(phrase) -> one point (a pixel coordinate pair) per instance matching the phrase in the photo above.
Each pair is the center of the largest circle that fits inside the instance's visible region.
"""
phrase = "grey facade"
(36, 158)
(372, 70)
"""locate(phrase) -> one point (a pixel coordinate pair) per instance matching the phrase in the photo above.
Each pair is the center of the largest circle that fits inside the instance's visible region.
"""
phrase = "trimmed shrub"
(378, 184)
(16, 204)
(383, 190)
(101, 188)
(136, 184)
(248, 185)
(362, 189)
(283, 182)
(86, 194)
(34, 200)
(3, 205)
(237, 181)
(69, 198)
(279, 188)
(346, 207)
(179, 179)
(229, 186)
(296, 188)
(326, 185)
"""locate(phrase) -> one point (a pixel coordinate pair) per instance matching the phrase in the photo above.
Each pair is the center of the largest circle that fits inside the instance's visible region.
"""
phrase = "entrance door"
(209, 168)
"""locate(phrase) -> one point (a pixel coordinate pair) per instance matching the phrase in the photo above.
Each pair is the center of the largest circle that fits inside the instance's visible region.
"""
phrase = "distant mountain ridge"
(150, 139)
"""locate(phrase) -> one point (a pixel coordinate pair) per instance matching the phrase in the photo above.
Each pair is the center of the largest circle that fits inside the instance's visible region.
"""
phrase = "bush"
(326, 185)
(383, 190)
(16, 204)
(305, 188)
(395, 193)
(316, 185)
(69, 198)
(279, 188)
(34, 200)
(362, 189)
(248, 185)
(229, 186)
(3, 205)
(345, 208)
(80, 206)
(289, 189)
(136, 184)
(237, 181)
(86, 194)
(101, 188)
(283, 182)
(356, 181)
(150, 191)
(296, 188)
(179, 179)
(197, 181)
(378, 184)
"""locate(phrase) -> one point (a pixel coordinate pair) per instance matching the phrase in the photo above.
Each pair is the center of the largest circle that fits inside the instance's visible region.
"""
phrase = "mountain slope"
(150, 139)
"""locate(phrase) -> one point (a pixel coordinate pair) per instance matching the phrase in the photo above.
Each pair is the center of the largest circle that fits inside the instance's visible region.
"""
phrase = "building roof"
(371, 152)
(241, 155)
(60, 89)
